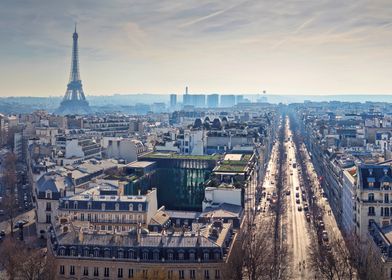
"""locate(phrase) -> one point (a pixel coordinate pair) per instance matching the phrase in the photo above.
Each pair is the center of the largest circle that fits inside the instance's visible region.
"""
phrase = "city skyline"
(213, 47)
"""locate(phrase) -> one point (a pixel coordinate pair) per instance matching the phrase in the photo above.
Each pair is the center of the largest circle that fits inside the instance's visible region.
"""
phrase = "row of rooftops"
(75, 235)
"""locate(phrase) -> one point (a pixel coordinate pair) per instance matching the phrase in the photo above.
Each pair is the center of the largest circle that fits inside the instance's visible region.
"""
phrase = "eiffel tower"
(74, 101)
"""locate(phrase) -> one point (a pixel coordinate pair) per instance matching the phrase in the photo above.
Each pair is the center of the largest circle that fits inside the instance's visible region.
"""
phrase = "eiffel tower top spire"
(74, 100)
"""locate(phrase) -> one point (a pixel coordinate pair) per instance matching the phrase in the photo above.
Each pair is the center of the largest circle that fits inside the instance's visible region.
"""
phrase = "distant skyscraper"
(213, 100)
(199, 100)
(74, 101)
(227, 100)
(240, 99)
(173, 100)
(187, 98)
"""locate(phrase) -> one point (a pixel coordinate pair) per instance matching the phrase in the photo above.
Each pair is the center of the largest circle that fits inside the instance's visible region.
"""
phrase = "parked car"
(297, 195)
(299, 208)
(297, 201)
(19, 223)
(307, 217)
(288, 192)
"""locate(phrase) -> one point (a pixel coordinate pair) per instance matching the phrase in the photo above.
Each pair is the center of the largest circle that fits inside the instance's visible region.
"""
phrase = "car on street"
(306, 207)
(297, 195)
(299, 208)
(297, 201)
(307, 217)
(288, 192)
(19, 223)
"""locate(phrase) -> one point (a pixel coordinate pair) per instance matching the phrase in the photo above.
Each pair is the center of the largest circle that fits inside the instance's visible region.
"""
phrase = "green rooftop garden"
(178, 156)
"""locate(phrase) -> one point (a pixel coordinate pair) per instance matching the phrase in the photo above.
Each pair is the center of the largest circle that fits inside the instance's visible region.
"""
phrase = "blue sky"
(283, 47)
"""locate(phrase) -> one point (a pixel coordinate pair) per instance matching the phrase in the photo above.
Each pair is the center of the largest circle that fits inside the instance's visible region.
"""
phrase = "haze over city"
(283, 47)
(195, 140)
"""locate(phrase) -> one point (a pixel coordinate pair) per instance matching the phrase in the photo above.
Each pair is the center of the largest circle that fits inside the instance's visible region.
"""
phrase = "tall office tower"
(240, 99)
(187, 98)
(199, 100)
(173, 100)
(74, 101)
(213, 100)
(227, 100)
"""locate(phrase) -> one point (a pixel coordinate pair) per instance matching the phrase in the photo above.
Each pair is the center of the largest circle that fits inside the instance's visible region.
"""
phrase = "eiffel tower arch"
(74, 101)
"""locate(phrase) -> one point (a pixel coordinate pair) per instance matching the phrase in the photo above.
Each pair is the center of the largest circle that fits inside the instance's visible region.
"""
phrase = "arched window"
(192, 255)
(120, 253)
(145, 255)
(107, 253)
(131, 207)
(131, 254)
(371, 196)
(96, 252)
(140, 207)
(86, 251)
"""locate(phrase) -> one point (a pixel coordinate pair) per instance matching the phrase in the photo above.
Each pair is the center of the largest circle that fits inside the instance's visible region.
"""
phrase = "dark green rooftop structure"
(180, 178)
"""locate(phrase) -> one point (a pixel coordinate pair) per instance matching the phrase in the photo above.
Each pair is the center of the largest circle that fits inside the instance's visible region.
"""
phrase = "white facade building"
(222, 194)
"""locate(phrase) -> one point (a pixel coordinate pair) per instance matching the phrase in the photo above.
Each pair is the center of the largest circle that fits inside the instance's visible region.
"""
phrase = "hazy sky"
(283, 47)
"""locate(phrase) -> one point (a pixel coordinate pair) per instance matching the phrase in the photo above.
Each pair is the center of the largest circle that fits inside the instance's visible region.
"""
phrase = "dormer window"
(117, 206)
(140, 207)
(86, 252)
(103, 206)
(75, 205)
(89, 205)
(371, 197)
(96, 252)
(131, 254)
(145, 255)
(48, 195)
(130, 207)
(67, 204)
(370, 171)
(120, 254)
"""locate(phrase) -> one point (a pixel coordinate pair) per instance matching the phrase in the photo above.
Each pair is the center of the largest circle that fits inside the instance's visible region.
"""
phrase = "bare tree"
(234, 267)
(21, 262)
(332, 259)
(10, 257)
(258, 249)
